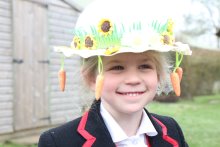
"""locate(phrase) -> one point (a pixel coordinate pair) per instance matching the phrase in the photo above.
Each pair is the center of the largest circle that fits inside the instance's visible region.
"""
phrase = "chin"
(132, 108)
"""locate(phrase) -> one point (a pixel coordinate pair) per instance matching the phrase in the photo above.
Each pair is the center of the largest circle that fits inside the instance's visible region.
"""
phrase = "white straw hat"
(108, 27)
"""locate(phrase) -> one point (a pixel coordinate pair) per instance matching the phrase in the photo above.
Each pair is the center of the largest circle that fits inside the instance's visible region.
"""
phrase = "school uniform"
(120, 138)
(91, 130)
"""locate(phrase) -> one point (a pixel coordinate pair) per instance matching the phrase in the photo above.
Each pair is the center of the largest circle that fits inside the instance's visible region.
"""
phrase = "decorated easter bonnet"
(109, 27)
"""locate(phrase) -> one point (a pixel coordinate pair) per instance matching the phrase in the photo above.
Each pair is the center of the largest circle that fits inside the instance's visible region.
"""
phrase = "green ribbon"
(179, 58)
(62, 62)
(100, 65)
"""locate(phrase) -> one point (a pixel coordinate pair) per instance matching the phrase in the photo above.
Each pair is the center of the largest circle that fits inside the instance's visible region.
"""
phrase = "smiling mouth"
(130, 93)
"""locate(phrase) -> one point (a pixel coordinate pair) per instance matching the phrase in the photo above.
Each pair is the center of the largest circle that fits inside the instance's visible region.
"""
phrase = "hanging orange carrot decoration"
(62, 75)
(99, 79)
(175, 83)
(176, 75)
(99, 85)
(62, 79)
(179, 71)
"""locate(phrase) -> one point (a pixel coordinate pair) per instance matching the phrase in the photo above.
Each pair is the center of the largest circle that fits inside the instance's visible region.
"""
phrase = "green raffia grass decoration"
(158, 27)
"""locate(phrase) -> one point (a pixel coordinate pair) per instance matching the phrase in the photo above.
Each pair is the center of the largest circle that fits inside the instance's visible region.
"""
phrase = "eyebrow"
(118, 61)
(113, 62)
(145, 60)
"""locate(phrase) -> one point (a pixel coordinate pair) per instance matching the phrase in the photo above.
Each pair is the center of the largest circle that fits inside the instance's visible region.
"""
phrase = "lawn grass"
(16, 145)
(199, 120)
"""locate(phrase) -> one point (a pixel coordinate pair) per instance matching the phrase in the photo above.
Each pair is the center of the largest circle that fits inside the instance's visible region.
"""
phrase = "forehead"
(127, 57)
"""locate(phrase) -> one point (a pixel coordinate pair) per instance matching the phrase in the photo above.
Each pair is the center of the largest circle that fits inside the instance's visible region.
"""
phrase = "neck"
(129, 122)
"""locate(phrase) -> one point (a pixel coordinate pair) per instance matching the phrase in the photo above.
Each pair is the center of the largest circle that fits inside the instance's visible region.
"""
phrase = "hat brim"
(86, 53)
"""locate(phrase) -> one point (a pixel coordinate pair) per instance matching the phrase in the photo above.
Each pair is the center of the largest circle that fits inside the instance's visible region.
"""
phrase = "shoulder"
(168, 122)
(164, 119)
(62, 135)
(171, 127)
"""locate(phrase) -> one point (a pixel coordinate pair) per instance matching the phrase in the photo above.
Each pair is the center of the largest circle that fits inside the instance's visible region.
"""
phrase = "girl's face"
(130, 82)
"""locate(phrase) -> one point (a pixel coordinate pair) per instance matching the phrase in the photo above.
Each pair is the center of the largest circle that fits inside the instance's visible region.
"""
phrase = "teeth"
(132, 94)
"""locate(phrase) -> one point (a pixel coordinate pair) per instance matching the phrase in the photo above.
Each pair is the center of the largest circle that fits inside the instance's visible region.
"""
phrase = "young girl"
(122, 43)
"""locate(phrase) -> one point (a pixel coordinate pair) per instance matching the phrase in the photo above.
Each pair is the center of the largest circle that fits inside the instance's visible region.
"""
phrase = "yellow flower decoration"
(170, 24)
(167, 38)
(112, 50)
(75, 43)
(90, 42)
(105, 27)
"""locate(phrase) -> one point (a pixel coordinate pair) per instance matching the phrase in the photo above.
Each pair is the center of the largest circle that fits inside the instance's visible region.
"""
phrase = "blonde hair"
(89, 69)
(161, 60)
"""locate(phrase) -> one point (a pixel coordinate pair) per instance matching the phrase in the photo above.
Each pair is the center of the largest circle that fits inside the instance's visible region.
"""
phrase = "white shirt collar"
(116, 132)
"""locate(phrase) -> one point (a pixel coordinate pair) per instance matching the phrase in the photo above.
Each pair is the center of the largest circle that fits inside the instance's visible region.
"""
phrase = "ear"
(89, 80)
(92, 84)
(158, 78)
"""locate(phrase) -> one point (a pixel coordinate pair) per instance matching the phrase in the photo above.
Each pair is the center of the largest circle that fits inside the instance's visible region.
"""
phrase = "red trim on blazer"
(91, 139)
(81, 129)
(148, 141)
(165, 136)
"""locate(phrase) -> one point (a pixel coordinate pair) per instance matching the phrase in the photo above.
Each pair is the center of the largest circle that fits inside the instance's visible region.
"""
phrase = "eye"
(118, 67)
(145, 66)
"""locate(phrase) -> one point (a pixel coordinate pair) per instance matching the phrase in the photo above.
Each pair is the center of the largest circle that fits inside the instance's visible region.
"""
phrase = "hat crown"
(126, 12)
(108, 27)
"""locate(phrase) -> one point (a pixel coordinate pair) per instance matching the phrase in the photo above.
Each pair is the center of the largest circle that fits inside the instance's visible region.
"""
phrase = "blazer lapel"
(96, 134)
(162, 138)
(82, 131)
(93, 129)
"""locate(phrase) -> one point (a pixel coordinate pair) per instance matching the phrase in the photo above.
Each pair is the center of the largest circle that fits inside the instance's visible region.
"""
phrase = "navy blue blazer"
(90, 130)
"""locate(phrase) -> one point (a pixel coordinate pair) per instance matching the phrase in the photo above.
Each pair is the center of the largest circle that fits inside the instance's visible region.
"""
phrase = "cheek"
(152, 81)
(110, 84)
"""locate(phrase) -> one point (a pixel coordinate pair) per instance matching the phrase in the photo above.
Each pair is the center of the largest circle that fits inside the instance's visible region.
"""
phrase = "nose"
(132, 78)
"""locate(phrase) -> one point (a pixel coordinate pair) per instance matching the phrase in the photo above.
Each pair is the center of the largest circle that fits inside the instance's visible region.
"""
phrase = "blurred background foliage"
(201, 73)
